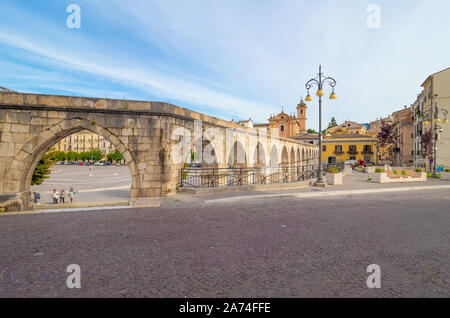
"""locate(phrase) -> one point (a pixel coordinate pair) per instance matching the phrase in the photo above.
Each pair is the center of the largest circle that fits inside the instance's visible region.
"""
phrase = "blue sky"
(228, 58)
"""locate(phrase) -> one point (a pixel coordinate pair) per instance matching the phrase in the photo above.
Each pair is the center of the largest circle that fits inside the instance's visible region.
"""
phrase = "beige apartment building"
(435, 92)
(85, 141)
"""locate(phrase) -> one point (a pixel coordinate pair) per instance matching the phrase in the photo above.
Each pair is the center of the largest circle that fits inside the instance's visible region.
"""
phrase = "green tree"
(109, 157)
(310, 131)
(117, 156)
(332, 123)
(96, 154)
(114, 156)
(60, 156)
(72, 156)
(42, 170)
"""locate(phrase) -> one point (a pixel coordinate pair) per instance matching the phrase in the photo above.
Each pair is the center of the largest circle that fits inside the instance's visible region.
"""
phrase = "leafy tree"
(332, 123)
(42, 170)
(386, 138)
(109, 157)
(60, 156)
(96, 154)
(427, 143)
(72, 156)
(310, 131)
(115, 156)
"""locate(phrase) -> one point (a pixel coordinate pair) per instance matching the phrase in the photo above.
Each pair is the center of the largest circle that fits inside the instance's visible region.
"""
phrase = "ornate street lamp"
(435, 115)
(320, 81)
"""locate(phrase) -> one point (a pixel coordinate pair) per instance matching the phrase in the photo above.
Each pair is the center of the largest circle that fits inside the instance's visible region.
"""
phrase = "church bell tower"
(301, 116)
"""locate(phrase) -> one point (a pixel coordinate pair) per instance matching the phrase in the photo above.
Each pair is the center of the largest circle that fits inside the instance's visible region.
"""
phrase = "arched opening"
(303, 156)
(237, 157)
(284, 156)
(206, 155)
(292, 157)
(88, 180)
(274, 161)
(298, 156)
(259, 157)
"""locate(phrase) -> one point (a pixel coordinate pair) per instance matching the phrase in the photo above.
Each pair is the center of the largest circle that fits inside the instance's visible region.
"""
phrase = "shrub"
(394, 171)
(418, 170)
(430, 175)
(371, 165)
(403, 173)
(379, 170)
(369, 179)
(333, 170)
(447, 170)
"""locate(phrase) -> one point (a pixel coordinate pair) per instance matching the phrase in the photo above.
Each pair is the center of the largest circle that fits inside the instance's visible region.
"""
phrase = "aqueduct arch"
(30, 154)
(143, 131)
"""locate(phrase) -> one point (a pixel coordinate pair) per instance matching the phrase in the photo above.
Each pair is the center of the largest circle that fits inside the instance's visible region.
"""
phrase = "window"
(301, 111)
(352, 148)
(282, 127)
(412, 152)
(367, 148)
(338, 148)
(324, 148)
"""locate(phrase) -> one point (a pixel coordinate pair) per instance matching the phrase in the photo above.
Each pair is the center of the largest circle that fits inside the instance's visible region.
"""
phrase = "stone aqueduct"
(30, 124)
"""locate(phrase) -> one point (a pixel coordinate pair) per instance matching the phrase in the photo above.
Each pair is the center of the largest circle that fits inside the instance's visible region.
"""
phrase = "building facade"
(435, 92)
(404, 132)
(348, 141)
(289, 125)
(85, 141)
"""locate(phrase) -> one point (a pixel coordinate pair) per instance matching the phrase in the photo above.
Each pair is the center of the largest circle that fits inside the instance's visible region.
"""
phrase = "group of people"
(61, 195)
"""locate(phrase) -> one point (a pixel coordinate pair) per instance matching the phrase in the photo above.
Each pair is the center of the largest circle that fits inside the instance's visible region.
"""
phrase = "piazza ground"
(269, 247)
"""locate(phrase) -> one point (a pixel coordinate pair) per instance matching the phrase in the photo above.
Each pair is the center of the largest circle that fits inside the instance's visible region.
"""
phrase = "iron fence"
(194, 177)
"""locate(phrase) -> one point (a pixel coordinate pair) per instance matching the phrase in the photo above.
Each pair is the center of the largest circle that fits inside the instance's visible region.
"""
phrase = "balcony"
(367, 152)
(338, 152)
(352, 152)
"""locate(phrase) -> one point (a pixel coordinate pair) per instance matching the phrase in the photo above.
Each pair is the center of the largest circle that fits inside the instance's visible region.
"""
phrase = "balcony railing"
(367, 152)
(339, 152)
(352, 152)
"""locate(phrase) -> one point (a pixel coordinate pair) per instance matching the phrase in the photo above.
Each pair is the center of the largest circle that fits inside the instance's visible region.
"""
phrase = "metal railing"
(193, 177)
(221, 177)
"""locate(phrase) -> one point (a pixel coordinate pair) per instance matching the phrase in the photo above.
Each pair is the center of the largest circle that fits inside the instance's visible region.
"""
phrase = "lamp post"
(320, 81)
(435, 118)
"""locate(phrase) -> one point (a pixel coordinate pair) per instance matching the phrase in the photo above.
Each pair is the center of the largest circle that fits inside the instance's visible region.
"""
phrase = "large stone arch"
(29, 155)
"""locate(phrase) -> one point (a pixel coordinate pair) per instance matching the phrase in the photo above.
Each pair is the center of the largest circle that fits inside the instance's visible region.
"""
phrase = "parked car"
(106, 164)
(351, 162)
(79, 163)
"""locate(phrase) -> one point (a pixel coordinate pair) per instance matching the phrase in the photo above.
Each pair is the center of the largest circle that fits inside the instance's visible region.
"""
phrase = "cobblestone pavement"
(265, 248)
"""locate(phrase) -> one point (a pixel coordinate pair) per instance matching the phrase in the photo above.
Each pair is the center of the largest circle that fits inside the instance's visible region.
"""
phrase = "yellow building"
(348, 141)
(85, 141)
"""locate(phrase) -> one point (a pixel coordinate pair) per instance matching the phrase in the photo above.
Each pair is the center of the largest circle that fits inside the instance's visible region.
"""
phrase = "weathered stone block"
(19, 128)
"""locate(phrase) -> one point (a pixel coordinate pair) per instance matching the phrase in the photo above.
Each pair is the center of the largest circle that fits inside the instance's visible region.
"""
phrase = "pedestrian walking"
(55, 196)
(72, 193)
(62, 196)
